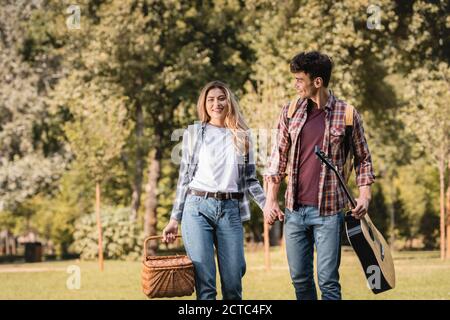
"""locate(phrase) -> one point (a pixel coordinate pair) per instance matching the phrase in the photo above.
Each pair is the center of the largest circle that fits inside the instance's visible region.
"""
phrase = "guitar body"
(373, 253)
(372, 250)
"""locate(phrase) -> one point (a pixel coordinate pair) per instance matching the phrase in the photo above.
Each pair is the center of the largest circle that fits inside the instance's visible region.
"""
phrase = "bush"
(429, 227)
(122, 239)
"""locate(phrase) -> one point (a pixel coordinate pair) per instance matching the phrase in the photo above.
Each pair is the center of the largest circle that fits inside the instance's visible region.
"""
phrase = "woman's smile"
(218, 110)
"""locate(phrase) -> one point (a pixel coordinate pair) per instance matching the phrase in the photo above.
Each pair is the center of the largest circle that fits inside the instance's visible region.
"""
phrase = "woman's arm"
(253, 185)
(183, 180)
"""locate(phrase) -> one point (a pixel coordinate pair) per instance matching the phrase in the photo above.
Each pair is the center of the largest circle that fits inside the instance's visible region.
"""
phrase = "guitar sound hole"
(371, 234)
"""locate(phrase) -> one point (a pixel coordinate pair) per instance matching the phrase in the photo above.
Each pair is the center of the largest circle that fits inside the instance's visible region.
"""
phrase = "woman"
(217, 172)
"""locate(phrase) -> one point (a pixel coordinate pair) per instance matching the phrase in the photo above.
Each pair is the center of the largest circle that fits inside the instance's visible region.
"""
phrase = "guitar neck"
(347, 192)
(330, 165)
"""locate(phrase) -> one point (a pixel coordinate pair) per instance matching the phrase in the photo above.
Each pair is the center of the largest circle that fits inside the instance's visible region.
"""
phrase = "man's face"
(304, 86)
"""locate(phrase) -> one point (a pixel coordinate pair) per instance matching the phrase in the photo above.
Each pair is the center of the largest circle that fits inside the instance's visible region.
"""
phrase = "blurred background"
(91, 92)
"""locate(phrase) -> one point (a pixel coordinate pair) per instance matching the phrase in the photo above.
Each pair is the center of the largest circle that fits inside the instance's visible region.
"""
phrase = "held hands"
(170, 231)
(272, 212)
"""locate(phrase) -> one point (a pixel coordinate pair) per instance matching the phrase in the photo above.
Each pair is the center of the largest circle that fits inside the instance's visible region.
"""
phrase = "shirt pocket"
(337, 136)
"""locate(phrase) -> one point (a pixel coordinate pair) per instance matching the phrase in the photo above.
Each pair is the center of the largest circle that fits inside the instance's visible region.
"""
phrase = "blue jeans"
(303, 228)
(209, 223)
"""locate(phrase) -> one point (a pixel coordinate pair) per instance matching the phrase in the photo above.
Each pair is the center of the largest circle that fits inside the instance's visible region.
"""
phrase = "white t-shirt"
(217, 162)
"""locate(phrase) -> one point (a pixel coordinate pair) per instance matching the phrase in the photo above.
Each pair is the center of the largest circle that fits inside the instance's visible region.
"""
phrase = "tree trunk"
(448, 211)
(137, 183)
(6, 240)
(442, 204)
(256, 234)
(266, 238)
(99, 225)
(392, 217)
(150, 220)
(14, 245)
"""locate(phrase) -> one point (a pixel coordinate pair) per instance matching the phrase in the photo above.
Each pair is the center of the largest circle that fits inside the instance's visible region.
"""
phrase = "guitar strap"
(348, 145)
(293, 107)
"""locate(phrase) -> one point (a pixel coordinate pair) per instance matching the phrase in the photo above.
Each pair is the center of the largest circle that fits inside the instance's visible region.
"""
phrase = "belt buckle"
(216, 194)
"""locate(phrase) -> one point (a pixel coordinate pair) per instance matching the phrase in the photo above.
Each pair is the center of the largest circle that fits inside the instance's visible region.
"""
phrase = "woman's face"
(216, 104)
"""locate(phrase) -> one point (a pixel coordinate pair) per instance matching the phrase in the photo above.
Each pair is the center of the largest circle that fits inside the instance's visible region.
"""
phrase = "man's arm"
(278, 160)
(276, 168)
(363, 167)
(272, 209)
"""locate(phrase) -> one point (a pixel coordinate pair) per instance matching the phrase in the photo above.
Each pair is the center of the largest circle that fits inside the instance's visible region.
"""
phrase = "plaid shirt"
(331, 196)
(248, 182)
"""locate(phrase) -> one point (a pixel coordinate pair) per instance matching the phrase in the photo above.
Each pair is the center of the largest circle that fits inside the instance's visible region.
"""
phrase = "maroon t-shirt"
(309, 171)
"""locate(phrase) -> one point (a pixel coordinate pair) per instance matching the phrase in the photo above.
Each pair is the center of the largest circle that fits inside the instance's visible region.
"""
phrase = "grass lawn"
(419, 275)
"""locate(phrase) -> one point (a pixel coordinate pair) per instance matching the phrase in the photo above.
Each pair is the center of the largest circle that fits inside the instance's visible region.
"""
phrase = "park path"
(18, 268)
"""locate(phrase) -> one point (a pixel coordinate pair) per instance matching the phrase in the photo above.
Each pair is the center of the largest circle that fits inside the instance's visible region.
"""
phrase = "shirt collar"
(328, 106)
(331, 100)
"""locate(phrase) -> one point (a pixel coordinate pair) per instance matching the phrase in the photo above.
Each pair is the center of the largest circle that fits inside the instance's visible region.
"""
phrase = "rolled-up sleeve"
(363, 160)
(183, 180)
(276, 167)
(253, 185)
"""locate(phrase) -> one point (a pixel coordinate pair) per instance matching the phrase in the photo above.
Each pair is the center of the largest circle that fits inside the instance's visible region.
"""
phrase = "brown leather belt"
(217, 195)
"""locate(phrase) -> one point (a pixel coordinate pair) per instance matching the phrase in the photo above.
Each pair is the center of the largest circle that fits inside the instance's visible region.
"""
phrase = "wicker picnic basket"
(166, 276)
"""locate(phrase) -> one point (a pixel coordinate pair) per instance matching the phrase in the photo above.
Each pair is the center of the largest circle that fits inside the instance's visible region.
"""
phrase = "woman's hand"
(170, 231)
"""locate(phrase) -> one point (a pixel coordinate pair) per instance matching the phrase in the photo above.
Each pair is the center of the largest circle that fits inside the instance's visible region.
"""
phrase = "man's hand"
(170, 231)
(271, 208)
(361, 208)
(362, 202)
(272, 212)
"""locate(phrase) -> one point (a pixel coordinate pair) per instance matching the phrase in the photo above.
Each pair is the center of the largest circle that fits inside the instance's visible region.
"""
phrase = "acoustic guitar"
(371, 248)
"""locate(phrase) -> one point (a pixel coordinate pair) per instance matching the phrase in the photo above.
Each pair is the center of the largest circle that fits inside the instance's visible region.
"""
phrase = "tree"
(402, 223)
(380, 214)
(429, 227)
(423, 48)
(159, 57)
(31, 157)
(277, 31)
(427, 117)
(98, 130)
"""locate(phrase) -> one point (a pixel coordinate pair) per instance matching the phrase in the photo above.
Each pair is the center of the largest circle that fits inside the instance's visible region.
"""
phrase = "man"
(314, 199)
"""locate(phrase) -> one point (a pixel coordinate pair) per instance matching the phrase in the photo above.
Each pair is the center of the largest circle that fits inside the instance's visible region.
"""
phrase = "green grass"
(419, 275)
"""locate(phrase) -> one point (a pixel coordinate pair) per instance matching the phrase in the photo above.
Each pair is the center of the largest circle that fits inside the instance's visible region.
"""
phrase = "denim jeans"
(303, 228)
(207, 224)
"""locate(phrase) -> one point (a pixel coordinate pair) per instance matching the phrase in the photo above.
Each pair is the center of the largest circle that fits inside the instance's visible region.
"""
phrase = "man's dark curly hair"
(314, 64)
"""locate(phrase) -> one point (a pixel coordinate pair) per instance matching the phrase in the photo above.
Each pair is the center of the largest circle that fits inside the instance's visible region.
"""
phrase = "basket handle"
(153, 238)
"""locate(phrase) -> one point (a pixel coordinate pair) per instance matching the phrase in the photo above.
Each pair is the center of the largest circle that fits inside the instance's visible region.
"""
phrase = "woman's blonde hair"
(233, 120)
